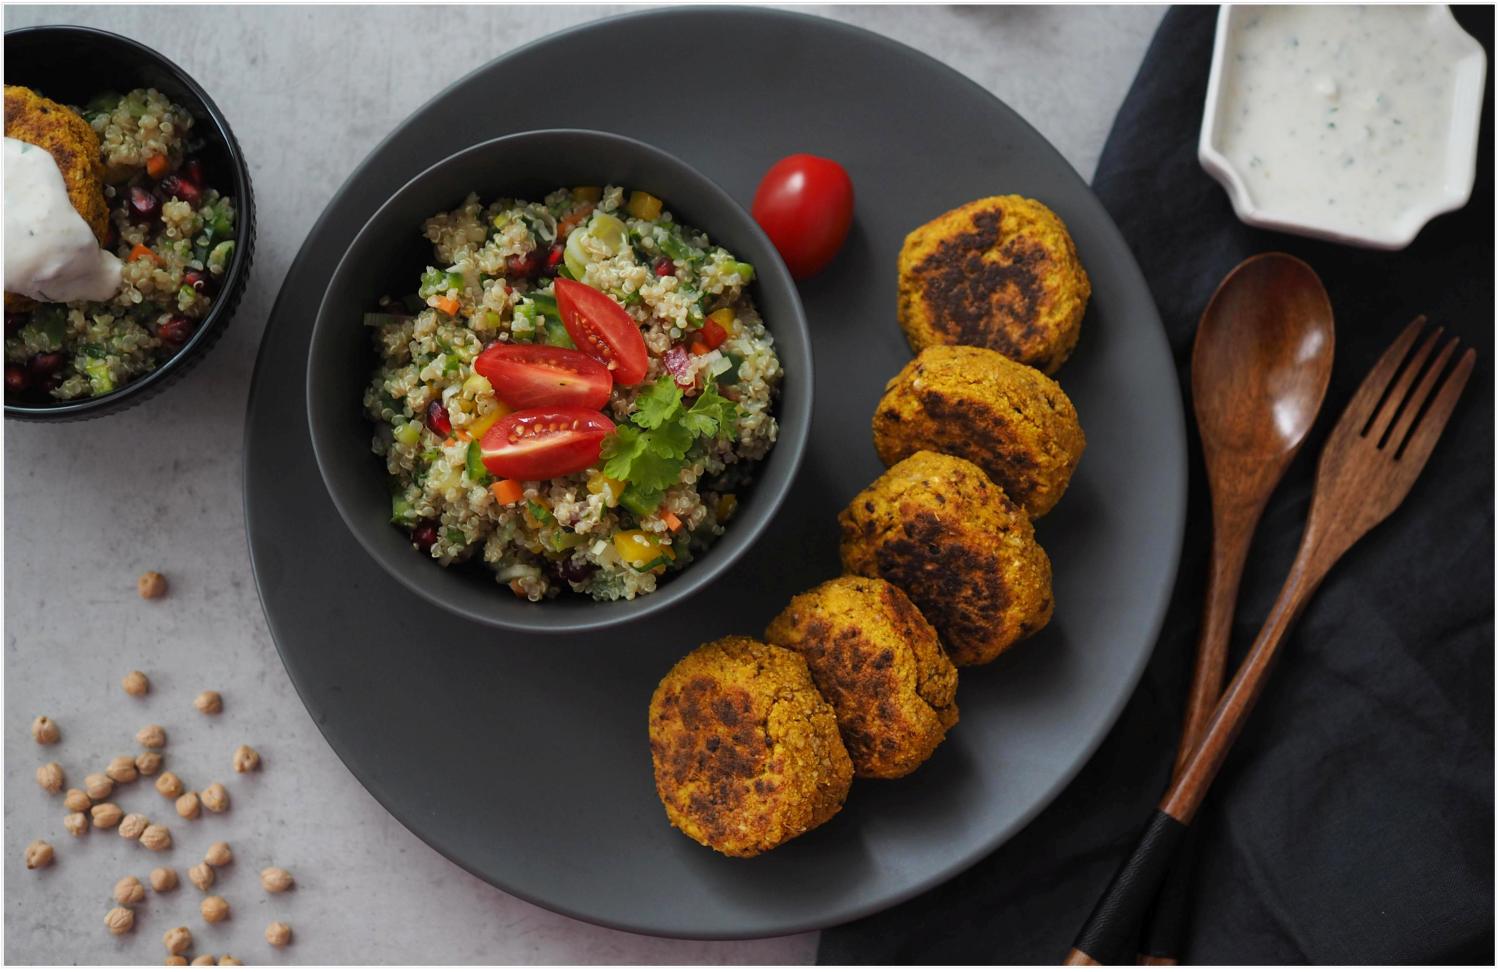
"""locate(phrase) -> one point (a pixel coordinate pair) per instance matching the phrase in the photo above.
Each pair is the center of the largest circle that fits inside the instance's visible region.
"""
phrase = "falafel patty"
(878, 662)
(747, 753)
(936, 527)
(1012, 421)
(999, 273)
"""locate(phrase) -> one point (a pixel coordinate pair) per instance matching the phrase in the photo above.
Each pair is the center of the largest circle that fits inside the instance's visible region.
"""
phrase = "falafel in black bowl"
(130, 223)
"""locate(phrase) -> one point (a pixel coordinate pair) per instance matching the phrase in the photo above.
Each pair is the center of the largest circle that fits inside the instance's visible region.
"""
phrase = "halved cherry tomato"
(805, 204)
(601, 328)
(540, 443)
(533, 375)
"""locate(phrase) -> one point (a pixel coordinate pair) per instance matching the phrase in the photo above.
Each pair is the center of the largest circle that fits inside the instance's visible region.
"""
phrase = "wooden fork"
(1372, 457)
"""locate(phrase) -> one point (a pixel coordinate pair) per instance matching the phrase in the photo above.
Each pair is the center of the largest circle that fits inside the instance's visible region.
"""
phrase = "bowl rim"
(795, 331)
(1462, 147)
(234, 277)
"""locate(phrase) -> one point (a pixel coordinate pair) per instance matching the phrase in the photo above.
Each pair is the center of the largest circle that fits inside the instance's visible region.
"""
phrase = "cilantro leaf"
(712, 415)
(658, 404)
(620, 450)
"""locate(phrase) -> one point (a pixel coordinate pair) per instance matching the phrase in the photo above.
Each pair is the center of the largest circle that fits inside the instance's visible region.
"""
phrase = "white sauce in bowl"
(1338, 113)
(50, 252)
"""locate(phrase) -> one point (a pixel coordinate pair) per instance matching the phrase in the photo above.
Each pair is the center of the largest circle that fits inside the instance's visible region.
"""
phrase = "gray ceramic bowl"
(390, 250)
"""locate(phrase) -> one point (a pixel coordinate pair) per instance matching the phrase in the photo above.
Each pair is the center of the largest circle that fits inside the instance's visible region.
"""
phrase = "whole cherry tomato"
(805, 204)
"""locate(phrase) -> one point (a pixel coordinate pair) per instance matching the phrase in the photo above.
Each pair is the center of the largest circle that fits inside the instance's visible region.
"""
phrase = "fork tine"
(1425, 436)
(1419, 397)
(1398, 389)
(1362, 406)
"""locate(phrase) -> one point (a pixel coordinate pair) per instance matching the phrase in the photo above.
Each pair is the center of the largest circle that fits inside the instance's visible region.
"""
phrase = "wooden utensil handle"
(1110, 932)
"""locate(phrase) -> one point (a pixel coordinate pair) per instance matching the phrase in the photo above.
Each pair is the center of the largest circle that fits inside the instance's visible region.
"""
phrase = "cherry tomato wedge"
(601, 328)
(533, 375)
(805, 204)
(540, 443)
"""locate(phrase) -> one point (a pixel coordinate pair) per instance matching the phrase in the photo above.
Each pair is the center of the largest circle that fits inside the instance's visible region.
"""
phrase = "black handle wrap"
(1166, 923)
(1112, 932)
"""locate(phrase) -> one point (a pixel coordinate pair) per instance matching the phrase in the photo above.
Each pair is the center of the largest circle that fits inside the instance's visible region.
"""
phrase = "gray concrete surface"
(89, 506)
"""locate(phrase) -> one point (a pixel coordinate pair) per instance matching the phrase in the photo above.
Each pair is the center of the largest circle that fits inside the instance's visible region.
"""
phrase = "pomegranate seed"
(527, 266)
(15, 378)
(47, 363)
(437, 419)
(176, 331)
(570, 572)
(554, 256)
(679, 365)
(144, 206)
(192, 171)
(664, 267)
(176, 186)
(196, 279)
(425, 535)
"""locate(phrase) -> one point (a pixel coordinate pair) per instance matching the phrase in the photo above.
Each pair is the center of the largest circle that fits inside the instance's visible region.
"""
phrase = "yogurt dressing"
(1338, 113)
(50, 252)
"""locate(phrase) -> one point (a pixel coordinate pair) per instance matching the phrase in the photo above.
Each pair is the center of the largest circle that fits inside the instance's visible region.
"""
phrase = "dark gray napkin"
(1354, 821)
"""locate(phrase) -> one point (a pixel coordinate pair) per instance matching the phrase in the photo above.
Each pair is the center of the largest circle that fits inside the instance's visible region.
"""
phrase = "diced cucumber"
(557, 335)
(474, 465)
(402, 512)
(99, 377)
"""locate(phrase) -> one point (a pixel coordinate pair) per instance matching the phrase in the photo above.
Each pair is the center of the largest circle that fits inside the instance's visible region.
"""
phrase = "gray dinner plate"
(525, 759)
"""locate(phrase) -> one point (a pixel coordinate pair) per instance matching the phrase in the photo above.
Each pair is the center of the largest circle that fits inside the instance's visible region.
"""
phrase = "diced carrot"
(507, 491)
(517, 589)
(698, 347)
(463, 435)
(566, 224)
(671, 520)
(448, 442)
(142, 250)
(448, 305)
(156, 166)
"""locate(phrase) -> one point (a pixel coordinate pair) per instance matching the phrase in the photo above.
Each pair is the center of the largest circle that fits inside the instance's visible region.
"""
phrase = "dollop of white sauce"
(50, 252)
(1337, 111)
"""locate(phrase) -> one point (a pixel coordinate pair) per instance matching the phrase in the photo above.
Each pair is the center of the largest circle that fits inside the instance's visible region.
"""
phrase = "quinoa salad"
(574, 394)
(174, 236)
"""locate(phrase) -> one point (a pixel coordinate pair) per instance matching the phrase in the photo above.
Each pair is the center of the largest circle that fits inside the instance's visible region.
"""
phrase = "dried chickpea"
(45, 731)
(276, 879)
(50, 777)
(119, 920)
(229, 960)
(106, 815)
(215, 798)
(202, 876)
(168, 785)
(151, 585)
(218, 854)
(163, 879)
(214, 908)
(76, 824)
(98, 786)
(152, 736)
(178, 940)
(38, 854)
(203, 960)
(156, 837)
(175, 960)
(209, 703)
(278, 933)
(147, 764)
(246, 760)
(188, 806)
(133, 826)
(136, 683)
(129, 890)
(77, 801)
(122, 769)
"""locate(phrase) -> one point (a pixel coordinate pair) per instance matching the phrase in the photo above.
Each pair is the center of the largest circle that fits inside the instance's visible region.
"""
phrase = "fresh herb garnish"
(650, 451)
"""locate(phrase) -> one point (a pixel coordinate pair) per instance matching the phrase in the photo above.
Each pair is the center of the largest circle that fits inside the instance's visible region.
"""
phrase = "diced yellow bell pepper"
(588, 193)
(726, 507)
(724, 317)
(611, 488)
(638, 549)
(476, 385)
(481, 425)
(643, 205)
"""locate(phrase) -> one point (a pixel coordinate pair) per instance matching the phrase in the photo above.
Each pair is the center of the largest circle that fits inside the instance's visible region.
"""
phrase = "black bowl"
(72, 65)
(390, 252)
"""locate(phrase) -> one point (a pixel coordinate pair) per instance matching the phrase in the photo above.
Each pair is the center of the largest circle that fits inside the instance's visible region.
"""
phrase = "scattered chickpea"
(215, 798)
(175, 960)
(163, 879)
(45, 731)
(50, 777)
(214, 908)
(129, 891)
(188, 806)
(276, 879)
(278, 933)
(229, 960)
(218, 854)
(98, 786)
(119, 920)
(202, 876)
(147, 764)
(76, 824)
(178, 940)
(168, 785)
(246, 760)
(203, 960)
(156, 837)
(133, 826)
(209, 703)
(151, 585)
(38, 854)
(152, 736)
(106, 815)
(77, 801)
(122, 769)
(136, 683)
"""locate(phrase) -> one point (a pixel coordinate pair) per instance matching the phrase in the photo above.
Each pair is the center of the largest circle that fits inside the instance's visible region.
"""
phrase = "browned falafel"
(936, 527)
(71, 142)
(1012, 421)
(879, 663)
(999, 273)
(747, 754)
